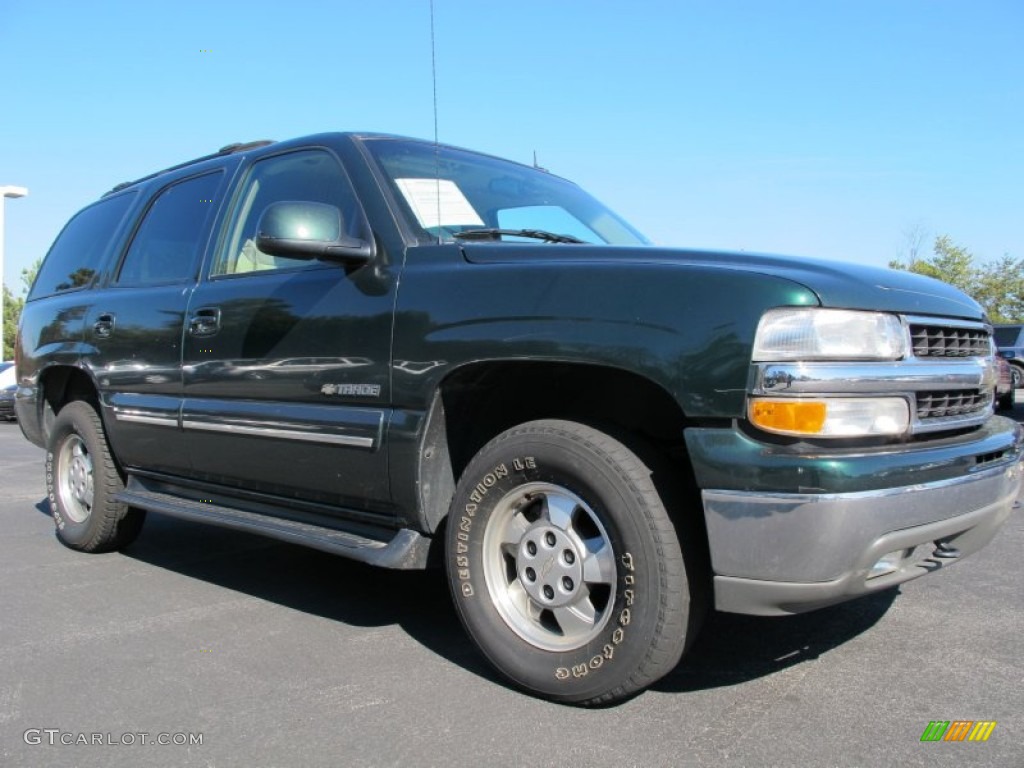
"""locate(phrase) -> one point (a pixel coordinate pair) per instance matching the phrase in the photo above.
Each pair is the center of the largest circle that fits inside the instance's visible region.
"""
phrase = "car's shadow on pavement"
(731, 649)
(311, 581)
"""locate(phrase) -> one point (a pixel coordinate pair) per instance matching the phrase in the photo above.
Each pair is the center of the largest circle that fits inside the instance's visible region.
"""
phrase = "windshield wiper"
(496, 234)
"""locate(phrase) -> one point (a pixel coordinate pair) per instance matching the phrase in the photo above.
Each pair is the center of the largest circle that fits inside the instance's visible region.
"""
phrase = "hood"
(837, 284)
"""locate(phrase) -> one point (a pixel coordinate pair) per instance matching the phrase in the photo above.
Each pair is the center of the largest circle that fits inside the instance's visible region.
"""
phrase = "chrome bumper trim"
(823, 537)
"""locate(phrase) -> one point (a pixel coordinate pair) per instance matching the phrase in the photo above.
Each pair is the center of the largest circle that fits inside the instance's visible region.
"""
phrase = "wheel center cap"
(550, 566)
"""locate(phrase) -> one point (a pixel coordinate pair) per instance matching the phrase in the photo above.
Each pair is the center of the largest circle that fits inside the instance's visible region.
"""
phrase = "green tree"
(12, 313)
(13, 307)
(998, 285)
(28, 274)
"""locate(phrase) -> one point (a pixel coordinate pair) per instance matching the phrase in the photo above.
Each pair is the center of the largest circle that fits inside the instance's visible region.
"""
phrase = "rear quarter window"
(76, 256)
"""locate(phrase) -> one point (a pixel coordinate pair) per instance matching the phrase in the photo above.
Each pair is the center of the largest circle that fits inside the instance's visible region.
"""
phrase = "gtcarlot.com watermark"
(56, 737)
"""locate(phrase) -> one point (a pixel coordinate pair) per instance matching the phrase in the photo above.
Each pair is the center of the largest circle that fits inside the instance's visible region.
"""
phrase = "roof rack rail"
(230, 149)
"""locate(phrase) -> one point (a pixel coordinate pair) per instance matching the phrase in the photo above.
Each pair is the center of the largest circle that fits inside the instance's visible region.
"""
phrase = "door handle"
(205, 321)
(104, 325)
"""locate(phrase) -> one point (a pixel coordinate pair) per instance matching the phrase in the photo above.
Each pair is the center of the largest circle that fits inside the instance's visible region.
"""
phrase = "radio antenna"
(437, 146)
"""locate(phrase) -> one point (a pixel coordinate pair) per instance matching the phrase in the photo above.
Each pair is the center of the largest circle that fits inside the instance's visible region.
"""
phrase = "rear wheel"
(1018, 376)
(82, 480)
(565, 566)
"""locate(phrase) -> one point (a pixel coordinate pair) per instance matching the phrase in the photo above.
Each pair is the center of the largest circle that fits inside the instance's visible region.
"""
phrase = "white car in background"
(8, 385)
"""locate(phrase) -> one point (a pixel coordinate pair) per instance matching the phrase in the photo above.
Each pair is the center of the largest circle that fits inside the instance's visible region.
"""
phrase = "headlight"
(812, 333)
(831, 416)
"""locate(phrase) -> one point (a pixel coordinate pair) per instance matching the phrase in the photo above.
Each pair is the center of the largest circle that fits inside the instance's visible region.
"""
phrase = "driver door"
(286, 361)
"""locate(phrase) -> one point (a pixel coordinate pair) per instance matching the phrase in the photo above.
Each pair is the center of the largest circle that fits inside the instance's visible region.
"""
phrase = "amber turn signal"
(831, 416)
(801, 417)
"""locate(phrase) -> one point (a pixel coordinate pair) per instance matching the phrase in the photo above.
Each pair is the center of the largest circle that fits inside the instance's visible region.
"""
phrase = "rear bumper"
(776, 553)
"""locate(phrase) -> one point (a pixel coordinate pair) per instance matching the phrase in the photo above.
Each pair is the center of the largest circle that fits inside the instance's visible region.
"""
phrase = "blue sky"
(822, 127)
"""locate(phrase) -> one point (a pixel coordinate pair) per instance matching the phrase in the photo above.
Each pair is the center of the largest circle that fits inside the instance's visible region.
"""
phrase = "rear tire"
(82, 480)
(564, 565)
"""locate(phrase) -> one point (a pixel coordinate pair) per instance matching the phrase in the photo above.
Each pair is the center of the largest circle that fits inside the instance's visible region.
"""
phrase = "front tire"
(82, 480)
(564, 565)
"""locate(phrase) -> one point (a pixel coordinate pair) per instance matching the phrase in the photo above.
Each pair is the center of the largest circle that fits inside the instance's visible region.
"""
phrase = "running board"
(406, 550)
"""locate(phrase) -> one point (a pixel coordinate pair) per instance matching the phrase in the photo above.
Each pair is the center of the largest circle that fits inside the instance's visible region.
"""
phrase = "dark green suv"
(406, 353)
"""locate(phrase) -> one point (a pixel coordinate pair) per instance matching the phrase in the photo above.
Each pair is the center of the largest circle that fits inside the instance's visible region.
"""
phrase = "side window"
(75, 256)
(310, 175)
(169, 241)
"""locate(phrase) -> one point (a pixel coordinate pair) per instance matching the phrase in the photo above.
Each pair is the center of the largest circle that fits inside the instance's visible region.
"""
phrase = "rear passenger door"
(135, 324)
(286, 367)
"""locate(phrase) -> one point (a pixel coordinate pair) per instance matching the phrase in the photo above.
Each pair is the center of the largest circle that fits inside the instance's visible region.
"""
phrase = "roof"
(230, 149)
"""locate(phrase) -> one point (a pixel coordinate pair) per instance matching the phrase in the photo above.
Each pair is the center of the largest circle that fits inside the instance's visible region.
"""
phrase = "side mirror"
(305, 230)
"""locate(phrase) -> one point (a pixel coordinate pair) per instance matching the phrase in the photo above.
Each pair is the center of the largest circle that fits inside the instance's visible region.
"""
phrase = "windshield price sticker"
(438, 203)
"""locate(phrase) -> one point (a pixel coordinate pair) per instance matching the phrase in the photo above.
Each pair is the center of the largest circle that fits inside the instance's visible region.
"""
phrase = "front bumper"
(775, 552)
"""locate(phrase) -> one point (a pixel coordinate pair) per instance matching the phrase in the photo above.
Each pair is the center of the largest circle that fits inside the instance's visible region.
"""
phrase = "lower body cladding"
(782, 553)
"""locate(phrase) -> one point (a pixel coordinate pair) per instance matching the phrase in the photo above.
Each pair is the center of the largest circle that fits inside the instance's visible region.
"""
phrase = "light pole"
(5, 192)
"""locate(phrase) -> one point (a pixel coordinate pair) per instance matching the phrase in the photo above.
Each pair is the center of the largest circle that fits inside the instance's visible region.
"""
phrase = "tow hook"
(944, 550)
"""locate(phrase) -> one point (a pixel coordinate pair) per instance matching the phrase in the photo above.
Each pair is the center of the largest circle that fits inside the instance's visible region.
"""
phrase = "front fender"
(688, 329)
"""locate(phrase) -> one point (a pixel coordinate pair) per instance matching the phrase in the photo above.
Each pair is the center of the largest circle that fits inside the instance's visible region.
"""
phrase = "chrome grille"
(959, 402)
(946, 378)
(947, 341)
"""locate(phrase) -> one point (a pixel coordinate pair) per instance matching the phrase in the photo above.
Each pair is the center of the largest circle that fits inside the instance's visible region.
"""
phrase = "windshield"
(444, 192)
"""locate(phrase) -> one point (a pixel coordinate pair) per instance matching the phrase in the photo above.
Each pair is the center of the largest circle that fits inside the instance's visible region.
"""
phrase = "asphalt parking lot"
(272, 655)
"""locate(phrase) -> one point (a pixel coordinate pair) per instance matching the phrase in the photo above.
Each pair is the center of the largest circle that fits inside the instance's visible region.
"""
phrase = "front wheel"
(564, 565)
(82, 481)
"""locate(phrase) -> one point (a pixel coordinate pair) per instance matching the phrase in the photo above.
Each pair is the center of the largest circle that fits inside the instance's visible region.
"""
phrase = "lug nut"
(549, 593)
(567, 584)
(568, 557)
(549, 539)
(531, 575)
(531, 548)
